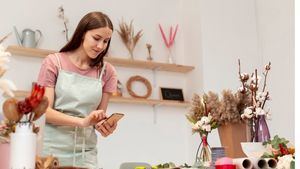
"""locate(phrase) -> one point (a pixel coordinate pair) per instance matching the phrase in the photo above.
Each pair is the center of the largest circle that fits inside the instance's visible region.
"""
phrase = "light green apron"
(75, 95)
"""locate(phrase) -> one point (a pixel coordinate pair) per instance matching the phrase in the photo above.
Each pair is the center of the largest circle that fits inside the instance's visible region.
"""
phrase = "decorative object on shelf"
(170, 41)
(61, 15)
(202, 123)
(171, 94)
(142, 80)
(29, 38)
(119, 91)
(255, 113)
(129, 38)
(149, 46)
(22, 131)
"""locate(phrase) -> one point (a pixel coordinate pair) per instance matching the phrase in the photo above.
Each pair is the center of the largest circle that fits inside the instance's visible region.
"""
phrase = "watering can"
(29, 37)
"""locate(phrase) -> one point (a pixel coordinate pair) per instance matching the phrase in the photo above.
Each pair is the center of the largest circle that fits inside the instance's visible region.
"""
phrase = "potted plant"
(227, 111)
(239, 113)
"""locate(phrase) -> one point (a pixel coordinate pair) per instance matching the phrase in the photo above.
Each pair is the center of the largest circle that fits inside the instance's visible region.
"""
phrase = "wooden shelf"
(33, 52)
(117, 99)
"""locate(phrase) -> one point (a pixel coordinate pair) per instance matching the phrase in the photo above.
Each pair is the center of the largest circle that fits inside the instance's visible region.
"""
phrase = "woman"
(78, 85)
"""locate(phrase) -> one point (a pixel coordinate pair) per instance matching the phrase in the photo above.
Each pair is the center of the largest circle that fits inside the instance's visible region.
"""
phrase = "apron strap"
(75, 145)
(58, 61)
(102, 71)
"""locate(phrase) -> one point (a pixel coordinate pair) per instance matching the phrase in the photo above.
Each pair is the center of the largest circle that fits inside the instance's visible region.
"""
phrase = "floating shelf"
(34, 52)
(117, 99)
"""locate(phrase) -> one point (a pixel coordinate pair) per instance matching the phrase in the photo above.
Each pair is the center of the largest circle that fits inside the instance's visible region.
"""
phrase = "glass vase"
(203, 156)
(261, 129)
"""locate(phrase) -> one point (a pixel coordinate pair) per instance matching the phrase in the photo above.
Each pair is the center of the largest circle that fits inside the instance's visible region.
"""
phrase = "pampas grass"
(129, 38)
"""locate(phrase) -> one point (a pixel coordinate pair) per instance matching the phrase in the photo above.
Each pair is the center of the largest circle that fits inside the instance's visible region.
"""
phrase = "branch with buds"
(258, 98)
(61, 15)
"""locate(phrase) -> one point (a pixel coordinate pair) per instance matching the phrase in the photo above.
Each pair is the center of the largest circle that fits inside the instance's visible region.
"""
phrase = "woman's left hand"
(105, 128)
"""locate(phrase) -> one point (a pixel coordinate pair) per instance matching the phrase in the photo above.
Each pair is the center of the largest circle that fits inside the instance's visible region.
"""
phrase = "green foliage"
(276, 141)
(292, 164)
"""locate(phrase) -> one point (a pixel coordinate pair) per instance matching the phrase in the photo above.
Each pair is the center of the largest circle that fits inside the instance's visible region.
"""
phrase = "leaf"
(267, 155)
(292, 164)
(190, 119)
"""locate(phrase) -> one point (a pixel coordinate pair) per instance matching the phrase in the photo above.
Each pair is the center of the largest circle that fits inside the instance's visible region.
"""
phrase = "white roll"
(262, 163)
(259, 163)
(272, 163)
(243, 163)
(23, 147)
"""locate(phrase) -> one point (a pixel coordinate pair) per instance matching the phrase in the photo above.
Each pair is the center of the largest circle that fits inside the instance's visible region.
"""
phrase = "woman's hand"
(93, 118)
(105, 128)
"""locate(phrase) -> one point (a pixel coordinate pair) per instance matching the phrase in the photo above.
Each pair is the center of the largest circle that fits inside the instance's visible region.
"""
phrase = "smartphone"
(114, 118)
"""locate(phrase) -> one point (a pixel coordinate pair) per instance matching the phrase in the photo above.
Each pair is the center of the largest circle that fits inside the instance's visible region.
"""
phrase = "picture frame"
(175, 94)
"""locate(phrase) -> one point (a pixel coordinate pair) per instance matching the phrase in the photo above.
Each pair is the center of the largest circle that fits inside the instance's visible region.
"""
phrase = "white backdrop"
(212, 35)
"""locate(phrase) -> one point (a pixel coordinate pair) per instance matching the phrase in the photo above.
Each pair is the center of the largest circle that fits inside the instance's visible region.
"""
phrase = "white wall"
(275, 23)
(212, 36)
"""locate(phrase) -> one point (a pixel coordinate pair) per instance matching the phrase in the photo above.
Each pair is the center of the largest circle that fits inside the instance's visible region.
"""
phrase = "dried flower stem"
(256, 85)
(61, 14)
(5, 37)
(66, 31)
(265, 79)
(267, 95)
(128, 37)
(243, 83)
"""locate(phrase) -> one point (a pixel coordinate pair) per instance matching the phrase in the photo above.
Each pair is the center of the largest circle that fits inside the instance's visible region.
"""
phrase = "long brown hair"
(92, 20)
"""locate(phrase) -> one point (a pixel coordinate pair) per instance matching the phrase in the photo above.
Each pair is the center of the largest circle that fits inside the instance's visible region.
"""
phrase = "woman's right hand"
(93, 118)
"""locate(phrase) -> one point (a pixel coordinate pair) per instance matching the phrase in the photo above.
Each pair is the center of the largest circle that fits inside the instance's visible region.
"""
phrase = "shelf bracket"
(154, 114)
(154, 72)
(155, 106)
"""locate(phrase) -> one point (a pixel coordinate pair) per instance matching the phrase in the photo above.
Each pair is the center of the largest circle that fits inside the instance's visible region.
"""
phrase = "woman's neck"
(79, 58)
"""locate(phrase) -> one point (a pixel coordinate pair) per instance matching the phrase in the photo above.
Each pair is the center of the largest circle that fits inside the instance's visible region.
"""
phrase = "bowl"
(253, 149)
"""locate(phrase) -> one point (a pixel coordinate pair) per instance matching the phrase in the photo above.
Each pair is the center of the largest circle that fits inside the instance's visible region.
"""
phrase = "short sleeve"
(48, 71)
(110, 79)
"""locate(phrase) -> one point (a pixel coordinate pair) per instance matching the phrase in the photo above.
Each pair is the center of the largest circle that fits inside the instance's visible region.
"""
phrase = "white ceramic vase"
(23, 147)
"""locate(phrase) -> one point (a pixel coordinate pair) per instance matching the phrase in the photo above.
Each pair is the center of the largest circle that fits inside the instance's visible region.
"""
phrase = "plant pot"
(4, 155)
(231, 136)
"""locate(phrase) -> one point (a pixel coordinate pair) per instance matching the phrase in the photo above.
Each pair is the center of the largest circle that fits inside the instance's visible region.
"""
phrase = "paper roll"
(23, 147)
(262, 163)
(272, 163)
(259, 162)
(243, 163)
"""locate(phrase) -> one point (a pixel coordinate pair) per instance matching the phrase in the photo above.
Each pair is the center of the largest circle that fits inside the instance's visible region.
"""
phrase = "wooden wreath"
(142, 80)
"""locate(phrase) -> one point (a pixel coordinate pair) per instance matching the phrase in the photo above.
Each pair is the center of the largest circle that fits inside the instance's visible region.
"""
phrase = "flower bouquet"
(278, 149)
(202, 123)
(256, 113)
(18, 129)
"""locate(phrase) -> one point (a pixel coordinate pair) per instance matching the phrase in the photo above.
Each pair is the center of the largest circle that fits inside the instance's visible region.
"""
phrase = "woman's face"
(96, 41)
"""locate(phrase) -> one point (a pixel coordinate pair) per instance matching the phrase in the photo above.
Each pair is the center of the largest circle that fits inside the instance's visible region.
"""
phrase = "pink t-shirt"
(49, 72)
